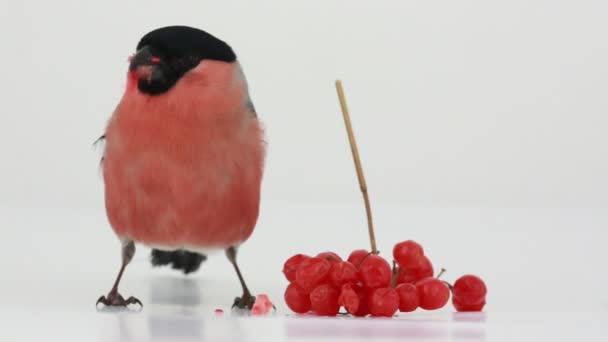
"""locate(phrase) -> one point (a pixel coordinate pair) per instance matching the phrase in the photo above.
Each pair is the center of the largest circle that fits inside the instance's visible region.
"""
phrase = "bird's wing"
(251, 107)
(100, 140)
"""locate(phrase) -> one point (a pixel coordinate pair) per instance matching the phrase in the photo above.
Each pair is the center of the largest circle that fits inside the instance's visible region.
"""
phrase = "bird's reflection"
(175, 327)
(182, 292)
(178, 320)
(174, 313)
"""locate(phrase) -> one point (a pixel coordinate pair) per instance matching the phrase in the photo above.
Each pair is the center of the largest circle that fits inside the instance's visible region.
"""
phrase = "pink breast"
(192, 179)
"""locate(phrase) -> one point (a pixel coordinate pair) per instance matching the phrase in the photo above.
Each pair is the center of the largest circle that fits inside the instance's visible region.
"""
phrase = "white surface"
(191, 326)
(544, 270)
(460, 108)
(454, 103)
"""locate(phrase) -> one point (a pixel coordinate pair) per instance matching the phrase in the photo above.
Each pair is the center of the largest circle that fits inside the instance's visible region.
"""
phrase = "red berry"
(330, 256)
(384, 302)
(375, 272)
(262, 305)
(342, 273)
(357, 256)
(464, 307)
(412, 275)
(297, 299)
(349, 299)
(408, 297)
(324, 300)
(469, 290)
(433, 294)
(408, 254)
(312, 272)
(363, 309)
(291, 265)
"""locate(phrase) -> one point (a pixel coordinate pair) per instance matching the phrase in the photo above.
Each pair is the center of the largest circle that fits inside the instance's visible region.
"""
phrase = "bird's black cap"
(172, 51)
(181, 41)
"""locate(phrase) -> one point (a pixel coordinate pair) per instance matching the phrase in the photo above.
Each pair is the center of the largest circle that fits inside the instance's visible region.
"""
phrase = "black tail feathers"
(185, 261)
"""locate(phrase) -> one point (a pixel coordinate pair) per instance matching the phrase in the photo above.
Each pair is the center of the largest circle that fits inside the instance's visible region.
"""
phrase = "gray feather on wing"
(251, 107)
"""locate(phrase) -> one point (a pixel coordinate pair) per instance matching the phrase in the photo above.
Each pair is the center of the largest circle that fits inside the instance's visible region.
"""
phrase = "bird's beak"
(143, 58)
(143, 62)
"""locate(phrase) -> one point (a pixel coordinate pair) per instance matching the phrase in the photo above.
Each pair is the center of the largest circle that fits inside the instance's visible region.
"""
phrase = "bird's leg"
(114, 298)
(246, 300)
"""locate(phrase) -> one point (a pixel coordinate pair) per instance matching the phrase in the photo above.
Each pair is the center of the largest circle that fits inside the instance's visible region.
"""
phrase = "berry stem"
(396, 273)
(450, 286)
(362, 260)
(443, 270)
(359, 168)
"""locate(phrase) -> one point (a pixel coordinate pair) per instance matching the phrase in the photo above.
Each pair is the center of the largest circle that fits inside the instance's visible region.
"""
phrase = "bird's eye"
(153, 60)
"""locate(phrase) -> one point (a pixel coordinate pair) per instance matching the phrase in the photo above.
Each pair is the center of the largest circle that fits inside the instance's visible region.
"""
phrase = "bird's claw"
(133, 300)
(116, 299)
(244, 302)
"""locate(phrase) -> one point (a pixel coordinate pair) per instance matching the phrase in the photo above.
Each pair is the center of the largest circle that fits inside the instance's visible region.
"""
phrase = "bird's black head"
(164, 55)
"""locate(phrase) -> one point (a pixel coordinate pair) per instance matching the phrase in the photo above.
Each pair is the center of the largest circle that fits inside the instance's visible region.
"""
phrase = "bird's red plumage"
(183, 169)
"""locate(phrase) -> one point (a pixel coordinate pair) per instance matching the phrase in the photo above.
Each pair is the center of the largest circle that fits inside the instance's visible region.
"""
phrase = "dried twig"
(360, 176)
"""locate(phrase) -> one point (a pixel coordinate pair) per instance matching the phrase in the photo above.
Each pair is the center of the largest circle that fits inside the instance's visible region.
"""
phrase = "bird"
(183, 156)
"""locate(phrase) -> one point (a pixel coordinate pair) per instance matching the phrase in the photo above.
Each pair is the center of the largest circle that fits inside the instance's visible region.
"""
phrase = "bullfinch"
(183, 155)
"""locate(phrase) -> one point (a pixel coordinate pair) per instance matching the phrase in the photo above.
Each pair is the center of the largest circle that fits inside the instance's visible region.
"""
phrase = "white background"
(481, 127)
(453, 102)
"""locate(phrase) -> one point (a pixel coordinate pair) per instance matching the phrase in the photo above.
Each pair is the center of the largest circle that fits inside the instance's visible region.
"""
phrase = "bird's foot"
(246, 301)
(116, 299)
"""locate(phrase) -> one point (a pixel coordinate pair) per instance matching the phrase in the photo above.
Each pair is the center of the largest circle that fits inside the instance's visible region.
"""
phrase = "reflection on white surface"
(174, 291)
(161, 325)
(171, 318)
(56, 263)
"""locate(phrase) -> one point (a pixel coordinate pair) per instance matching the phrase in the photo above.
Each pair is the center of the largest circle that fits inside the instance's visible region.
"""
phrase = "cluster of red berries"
(366, 284)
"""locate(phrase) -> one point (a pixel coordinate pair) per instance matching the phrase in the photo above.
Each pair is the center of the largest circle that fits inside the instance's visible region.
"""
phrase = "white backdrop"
(454, 103)
(481, 126)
